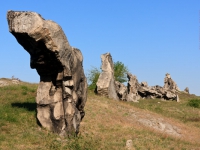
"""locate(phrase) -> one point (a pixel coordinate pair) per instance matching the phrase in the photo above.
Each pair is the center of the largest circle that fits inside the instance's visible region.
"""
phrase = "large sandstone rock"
(106, 81)
(170, 84)
(61, 94)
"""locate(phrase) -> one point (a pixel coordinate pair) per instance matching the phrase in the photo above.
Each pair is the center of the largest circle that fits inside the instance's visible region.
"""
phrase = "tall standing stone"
(106, 81)
(62, 91)
(132, 87)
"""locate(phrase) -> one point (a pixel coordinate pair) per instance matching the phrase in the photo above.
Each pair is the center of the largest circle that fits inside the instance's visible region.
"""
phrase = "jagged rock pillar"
(106, 81)
(132, 87)
(62, 91)
(171, 88)
(169, 83)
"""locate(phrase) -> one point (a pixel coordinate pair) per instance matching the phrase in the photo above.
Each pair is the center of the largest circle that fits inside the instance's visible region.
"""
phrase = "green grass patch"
(194, 103)
(106, 124)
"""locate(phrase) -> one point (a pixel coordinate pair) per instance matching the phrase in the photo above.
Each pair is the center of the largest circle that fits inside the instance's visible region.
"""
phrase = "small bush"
(194, 103)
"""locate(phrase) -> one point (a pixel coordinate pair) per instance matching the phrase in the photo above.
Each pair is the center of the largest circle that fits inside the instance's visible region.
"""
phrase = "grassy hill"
(108, 124)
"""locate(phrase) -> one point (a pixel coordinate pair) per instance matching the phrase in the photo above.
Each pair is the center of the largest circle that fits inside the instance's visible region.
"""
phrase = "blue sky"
(151, 38)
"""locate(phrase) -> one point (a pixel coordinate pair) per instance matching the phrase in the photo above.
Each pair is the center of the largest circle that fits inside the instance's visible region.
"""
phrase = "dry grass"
(114, 124)
(108, 124)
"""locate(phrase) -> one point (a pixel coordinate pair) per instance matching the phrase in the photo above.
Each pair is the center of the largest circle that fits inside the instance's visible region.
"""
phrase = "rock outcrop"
(186, 90)
(3, 83)
(106, 82)
(107, 86)
(136, 91)
(170, 84)
(62, 91)
(132, 87)
(121, 90)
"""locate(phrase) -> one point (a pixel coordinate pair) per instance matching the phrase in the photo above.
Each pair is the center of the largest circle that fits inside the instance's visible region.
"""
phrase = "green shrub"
(194, 103)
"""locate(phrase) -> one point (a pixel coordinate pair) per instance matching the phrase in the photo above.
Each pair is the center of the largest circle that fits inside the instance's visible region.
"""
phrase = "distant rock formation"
(145, 92)
(107, 86)
(106, 81)
(186, 90)
(169, 83)
(62, 91)
(3, 83)
(7, 82)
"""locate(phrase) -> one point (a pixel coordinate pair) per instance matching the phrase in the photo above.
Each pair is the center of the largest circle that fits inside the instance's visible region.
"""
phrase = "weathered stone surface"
(169, 83)
(148, 92)
(137, 91)
(132, 87)
(121, 90)
(186, 90)
(106, 81)
(144, 84)
(62, 91)
(15, 81)
(3, 83)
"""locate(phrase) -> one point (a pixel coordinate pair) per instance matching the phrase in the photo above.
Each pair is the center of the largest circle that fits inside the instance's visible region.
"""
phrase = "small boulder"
(129, 145)
(186, 90)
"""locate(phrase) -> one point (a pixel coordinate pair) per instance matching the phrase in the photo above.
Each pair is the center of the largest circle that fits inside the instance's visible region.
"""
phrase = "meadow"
(107, 125)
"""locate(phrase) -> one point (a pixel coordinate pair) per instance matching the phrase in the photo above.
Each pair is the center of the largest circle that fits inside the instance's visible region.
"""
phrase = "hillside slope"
(108, 124)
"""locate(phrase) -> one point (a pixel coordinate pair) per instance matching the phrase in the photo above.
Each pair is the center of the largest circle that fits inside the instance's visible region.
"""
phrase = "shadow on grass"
(26, 105)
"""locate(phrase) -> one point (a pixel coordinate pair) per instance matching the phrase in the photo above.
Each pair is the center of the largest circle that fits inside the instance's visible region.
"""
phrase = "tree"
(93, 76)
(120, 71)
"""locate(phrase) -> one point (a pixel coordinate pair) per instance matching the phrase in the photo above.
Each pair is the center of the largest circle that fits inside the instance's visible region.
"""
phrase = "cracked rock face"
(137, 91)
(132, 87)
(169, 84)
(106, 80)
(121, 90)
(61, 94)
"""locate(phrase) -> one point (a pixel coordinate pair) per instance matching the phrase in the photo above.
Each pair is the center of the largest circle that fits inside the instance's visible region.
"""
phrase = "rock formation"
(132, 87)
(106, 82)
(3, 83)
(186, 90)
(148, 92)
(169, 83)
(136, 91)
(107, 86)
(121, 90)
(61, 94)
